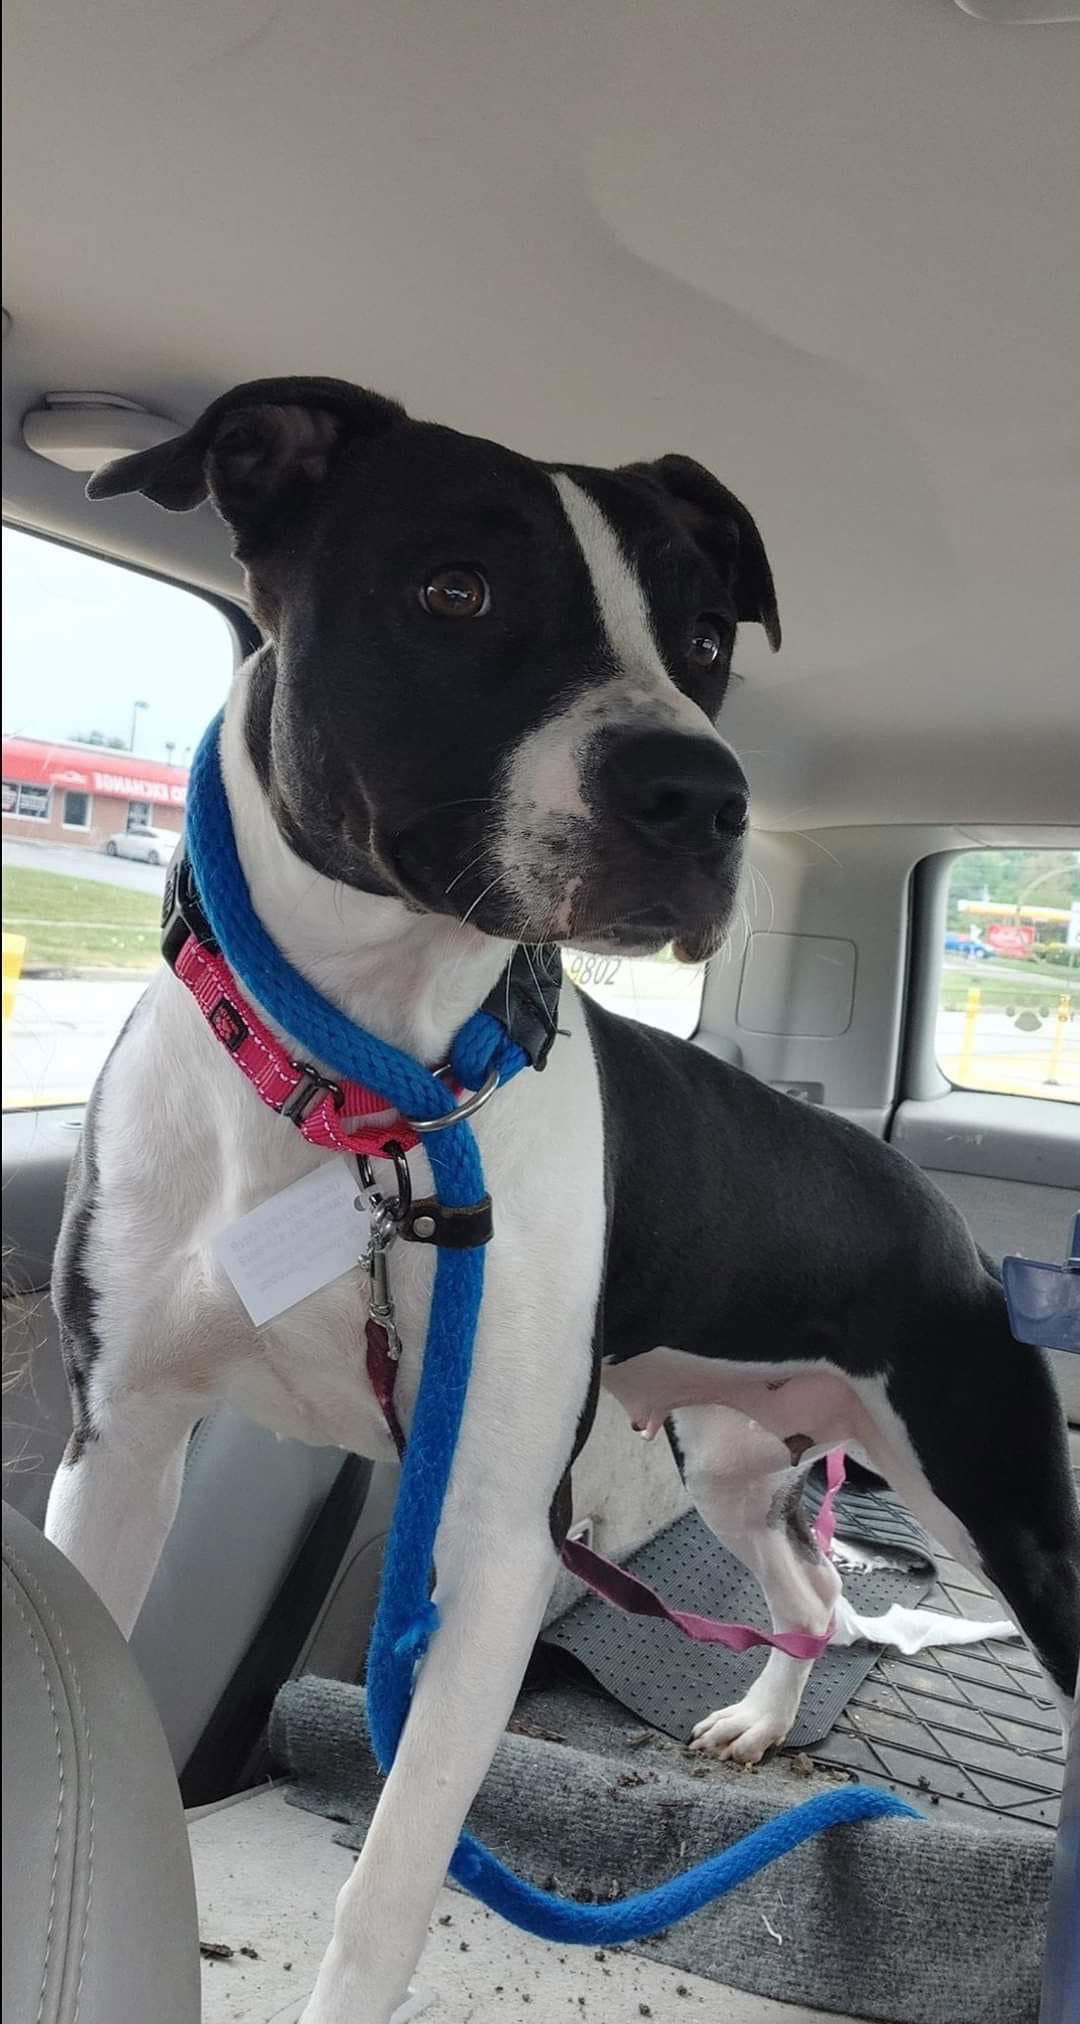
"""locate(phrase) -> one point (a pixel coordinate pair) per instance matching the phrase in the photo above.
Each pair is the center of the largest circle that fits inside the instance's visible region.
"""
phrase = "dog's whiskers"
(755, 875)
(466, 868)
(481, 896)
(818, 845)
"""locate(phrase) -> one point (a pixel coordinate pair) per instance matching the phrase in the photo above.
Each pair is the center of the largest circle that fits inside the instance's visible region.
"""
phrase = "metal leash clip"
(386, 1214)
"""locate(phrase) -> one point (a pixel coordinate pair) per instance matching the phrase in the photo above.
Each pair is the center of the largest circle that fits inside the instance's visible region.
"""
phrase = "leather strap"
(627, 1591)
(429, 1222)
(382, 1377)
(526, 1000)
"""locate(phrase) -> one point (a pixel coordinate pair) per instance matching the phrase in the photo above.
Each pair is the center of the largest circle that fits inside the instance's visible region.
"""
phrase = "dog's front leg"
(491, 1594)
(491, 1601)
(495, 1562)
(115, 1494)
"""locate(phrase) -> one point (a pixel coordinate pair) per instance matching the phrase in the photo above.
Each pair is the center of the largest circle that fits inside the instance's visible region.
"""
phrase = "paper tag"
(296, 1242)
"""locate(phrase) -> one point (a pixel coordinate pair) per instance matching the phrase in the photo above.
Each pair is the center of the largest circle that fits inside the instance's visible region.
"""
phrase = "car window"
(1009, 1004)
(109, 680)
(658, 990)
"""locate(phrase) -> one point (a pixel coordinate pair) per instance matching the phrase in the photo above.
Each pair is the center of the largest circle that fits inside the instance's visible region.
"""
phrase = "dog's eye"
(456, 593)
(706, 645)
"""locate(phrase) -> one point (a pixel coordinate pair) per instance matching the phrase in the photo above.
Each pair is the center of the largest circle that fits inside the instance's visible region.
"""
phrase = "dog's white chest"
(181, 1172)
(307, 1377)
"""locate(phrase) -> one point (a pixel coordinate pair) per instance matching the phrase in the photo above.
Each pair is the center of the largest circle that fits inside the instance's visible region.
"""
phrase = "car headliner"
(829, 250)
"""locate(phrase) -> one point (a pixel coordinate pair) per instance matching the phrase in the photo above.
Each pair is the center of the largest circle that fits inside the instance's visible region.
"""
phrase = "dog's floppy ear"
(251, 449)
(721, 525)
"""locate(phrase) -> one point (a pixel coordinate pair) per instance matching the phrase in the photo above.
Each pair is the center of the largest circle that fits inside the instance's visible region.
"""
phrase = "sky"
(84, 640)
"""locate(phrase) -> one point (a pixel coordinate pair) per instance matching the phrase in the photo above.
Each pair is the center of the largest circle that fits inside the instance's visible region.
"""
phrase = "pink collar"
(327, 1113)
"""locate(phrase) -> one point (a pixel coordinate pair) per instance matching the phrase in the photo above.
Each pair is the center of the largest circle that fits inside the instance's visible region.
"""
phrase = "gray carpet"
(903, 1922)
(668, 1681)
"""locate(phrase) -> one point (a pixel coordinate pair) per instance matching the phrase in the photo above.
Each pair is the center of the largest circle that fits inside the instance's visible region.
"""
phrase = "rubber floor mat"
(972, 1731)
(670, 1682)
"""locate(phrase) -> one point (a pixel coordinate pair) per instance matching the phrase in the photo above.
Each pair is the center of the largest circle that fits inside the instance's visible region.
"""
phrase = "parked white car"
(150, 846)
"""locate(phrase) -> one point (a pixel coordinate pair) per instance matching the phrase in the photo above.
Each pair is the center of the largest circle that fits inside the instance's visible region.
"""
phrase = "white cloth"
(914, 1630)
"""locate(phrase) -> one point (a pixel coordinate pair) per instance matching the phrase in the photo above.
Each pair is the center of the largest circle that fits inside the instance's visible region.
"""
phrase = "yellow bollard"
(971, 1020)
(1061, 1020)
(14, 951)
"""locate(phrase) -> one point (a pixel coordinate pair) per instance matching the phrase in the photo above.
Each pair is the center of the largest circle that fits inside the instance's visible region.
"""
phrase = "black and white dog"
(486, 715)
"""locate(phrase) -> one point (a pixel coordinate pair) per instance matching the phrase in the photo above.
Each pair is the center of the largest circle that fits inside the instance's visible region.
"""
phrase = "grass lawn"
(75, 924)
(1030, 985)
(1041, 991)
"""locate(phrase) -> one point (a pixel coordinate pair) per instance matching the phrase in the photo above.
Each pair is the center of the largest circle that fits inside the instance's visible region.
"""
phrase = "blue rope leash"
(406, 1618)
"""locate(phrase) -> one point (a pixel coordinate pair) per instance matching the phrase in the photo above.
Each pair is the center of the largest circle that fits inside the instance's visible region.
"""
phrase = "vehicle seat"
(100, 1924)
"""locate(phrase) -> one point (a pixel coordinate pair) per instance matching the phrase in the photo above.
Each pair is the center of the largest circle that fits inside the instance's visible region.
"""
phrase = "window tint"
(658, 990)
(109, 680)
(1009, 1006)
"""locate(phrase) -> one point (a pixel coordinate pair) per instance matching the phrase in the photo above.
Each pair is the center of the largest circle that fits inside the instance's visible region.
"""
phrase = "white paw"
(742, 1733)
(339, 2006)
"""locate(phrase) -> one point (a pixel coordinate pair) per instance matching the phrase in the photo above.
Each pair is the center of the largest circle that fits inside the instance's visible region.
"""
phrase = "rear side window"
(109, 681)
(1009, 1006)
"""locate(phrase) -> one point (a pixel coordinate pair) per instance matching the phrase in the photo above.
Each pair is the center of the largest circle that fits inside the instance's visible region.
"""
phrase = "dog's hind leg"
(741, 1478)
(115, 1494)
(980, 1454)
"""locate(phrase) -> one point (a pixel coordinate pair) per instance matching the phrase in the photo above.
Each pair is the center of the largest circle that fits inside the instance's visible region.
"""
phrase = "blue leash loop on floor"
(406, 1617)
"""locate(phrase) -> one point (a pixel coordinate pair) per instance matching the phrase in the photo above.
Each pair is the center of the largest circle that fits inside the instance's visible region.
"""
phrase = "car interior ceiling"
(821, 250)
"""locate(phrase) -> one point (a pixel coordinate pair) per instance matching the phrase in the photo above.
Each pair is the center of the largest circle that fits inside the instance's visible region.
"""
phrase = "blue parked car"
(966, 945)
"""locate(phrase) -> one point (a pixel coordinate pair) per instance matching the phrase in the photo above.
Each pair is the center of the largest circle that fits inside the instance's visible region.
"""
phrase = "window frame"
(83, 794)
(246, 638)
(18, 814)
(922, 1079)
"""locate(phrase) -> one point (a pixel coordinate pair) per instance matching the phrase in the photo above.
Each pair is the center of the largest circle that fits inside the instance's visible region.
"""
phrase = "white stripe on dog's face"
(546, 844)
(640, 680)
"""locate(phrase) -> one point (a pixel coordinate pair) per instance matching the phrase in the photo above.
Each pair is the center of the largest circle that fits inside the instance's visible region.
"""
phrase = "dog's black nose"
(685, 791)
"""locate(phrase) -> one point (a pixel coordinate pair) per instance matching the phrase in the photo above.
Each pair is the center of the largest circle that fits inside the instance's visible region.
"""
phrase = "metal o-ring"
(460, 1111)
(403, 1204)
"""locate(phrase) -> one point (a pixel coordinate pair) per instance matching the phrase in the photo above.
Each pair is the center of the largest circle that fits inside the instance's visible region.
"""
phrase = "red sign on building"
(95, 771)
(1011, 938)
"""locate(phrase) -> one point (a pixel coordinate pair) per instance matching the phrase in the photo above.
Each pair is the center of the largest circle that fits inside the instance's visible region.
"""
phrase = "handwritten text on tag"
(297, 1242)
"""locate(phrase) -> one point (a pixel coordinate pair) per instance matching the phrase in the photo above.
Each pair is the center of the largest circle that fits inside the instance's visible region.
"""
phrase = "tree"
(1051, 876)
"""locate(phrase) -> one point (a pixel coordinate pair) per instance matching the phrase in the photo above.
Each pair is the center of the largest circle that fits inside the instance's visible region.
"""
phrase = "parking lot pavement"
(77, 862)
(60, 1033)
